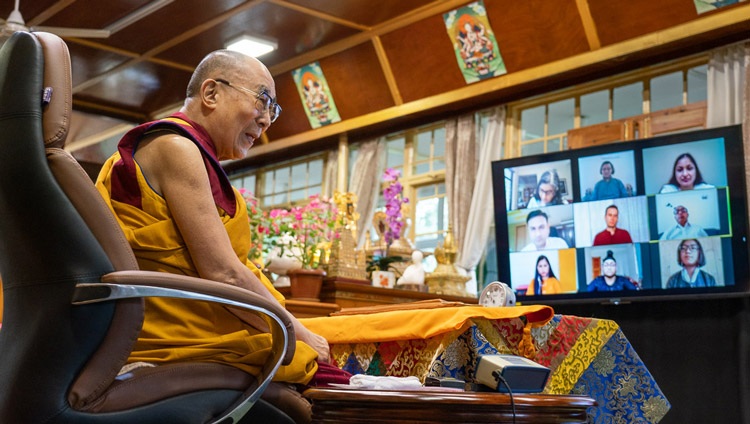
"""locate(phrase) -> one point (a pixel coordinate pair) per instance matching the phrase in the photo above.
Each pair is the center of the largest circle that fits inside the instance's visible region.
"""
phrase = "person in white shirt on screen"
(685, 176)
(537, 225)
(683, 229)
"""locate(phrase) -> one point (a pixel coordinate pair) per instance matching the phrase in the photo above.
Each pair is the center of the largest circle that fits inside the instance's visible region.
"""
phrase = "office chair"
(72, 289)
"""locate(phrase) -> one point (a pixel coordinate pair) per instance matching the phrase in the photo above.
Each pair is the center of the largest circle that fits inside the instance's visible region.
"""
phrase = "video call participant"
(683, 229)
(547, 191)
(691, 258)
(544, 281)
(609, 280)
(537, 225)
(608, 187)
(685, 176)
(611, 234)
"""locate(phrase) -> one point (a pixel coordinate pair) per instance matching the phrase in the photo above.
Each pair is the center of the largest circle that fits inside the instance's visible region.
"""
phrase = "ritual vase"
(305, 284)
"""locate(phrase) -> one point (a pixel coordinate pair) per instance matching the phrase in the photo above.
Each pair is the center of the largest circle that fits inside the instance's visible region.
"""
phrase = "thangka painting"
(316, 96)
(474, 42)
(702, 6)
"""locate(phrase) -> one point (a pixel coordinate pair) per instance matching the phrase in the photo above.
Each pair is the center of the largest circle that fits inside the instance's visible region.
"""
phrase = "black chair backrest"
(45, 250)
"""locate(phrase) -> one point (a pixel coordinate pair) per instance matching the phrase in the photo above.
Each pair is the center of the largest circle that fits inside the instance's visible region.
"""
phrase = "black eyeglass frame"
(269, 104)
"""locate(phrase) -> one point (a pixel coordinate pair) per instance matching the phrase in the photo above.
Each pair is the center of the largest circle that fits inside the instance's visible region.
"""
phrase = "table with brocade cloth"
(586, 356)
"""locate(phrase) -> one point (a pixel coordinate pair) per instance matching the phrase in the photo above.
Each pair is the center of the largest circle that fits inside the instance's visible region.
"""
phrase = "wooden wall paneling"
(293, 119)
(357, 81)
(89, 62)
(622, 20)
(137, 88)
(681, 118)
(422, 59)
(362, 11)
(531, 33)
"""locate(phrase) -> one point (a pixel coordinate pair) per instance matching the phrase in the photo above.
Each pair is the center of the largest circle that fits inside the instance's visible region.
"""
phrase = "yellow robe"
(181, 330)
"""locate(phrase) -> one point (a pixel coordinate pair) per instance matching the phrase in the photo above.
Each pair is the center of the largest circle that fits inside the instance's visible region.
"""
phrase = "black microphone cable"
(499, 378)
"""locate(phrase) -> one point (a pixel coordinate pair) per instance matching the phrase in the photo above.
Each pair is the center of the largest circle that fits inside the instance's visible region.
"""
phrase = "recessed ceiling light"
(252, 46)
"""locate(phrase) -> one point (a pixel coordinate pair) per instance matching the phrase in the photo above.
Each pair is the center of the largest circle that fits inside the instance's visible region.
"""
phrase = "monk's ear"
(209, 93)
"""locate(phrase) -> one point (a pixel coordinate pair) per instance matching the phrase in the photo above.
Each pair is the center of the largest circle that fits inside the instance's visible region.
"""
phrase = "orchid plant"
(394, 199)
(393, 193)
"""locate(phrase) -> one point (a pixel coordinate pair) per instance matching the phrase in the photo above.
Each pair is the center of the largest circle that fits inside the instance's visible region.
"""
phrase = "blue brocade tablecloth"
(586, 356)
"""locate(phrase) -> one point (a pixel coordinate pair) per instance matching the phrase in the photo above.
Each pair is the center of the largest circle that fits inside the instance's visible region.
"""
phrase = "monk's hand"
(318, 343)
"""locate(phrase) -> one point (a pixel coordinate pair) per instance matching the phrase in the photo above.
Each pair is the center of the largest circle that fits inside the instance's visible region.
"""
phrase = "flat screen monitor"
(663, 217)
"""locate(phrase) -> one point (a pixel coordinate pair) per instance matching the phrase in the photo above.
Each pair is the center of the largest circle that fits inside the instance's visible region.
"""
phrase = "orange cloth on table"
(180, 330)
(417, 324)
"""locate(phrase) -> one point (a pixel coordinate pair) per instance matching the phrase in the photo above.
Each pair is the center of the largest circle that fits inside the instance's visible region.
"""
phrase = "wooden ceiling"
(387, 62)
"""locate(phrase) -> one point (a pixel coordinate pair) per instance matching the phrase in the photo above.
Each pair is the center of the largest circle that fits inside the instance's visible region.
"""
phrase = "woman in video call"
(691, 258)
(685, 176)
(547, 191)
(544, 281)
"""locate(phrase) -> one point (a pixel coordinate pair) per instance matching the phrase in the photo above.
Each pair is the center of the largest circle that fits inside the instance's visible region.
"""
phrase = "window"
(541, 123)
(284, 184)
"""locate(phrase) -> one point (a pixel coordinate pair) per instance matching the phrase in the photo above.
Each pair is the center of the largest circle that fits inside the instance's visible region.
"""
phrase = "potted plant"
(303, 234)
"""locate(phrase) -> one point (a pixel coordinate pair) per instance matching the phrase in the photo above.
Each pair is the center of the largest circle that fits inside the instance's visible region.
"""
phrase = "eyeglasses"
(267, 103)
(689, 248)
(679, 210)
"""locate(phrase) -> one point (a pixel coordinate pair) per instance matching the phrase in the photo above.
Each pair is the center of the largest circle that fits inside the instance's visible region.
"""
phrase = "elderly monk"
(181, 215)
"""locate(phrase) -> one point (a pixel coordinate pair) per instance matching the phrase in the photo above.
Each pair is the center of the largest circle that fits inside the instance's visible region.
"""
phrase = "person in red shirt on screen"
(612, 234)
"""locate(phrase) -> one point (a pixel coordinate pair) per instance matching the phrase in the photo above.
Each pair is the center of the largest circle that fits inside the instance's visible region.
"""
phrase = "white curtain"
(729, 92)
(481, 212)
(365, 183)
(727, 67)
(460, 171)
(330, 172)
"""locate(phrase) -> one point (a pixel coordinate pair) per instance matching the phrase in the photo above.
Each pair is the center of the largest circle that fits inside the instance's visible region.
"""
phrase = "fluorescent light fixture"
(252, 46)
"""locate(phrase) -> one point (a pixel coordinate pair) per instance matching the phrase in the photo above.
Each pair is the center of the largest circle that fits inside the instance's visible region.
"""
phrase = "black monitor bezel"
(737, 193)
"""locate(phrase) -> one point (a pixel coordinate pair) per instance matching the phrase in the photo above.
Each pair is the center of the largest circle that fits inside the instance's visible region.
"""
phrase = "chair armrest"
(137, 284)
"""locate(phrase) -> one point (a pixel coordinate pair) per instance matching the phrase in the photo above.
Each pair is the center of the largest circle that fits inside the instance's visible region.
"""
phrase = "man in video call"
(612, 234)
(537, 225)
(683, 229)
(609, 280)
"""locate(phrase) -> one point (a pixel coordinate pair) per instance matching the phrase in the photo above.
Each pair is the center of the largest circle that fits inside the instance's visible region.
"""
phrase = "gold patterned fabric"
(586, 356)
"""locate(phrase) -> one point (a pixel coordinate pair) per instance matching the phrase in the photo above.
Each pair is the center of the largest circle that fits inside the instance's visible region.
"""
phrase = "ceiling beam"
(589, 27)
(319, 15)
(385, 65)
(149, 55)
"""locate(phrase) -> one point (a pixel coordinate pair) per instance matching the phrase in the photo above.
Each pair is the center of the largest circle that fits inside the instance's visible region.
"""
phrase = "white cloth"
(679, 232)
(552, 243)
(373, 382)
(671, 188)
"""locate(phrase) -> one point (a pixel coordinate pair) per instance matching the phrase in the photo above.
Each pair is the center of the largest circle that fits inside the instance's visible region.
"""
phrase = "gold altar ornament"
(446, 279)
(344, 259)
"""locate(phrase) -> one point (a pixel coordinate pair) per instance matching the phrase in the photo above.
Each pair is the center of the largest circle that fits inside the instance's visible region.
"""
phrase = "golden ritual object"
(446, 279)
(344, 260)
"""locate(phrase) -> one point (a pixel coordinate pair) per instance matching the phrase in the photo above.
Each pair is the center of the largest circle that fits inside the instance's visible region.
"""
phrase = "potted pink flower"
(302, 233)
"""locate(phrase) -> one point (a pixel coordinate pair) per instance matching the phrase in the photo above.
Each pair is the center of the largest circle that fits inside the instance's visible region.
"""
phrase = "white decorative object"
(497, 294)
(384, 279)
(281, 264)
(414, 273)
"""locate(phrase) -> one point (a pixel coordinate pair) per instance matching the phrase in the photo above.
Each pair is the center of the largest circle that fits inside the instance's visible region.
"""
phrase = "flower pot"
(384, 279)
(305, 284)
